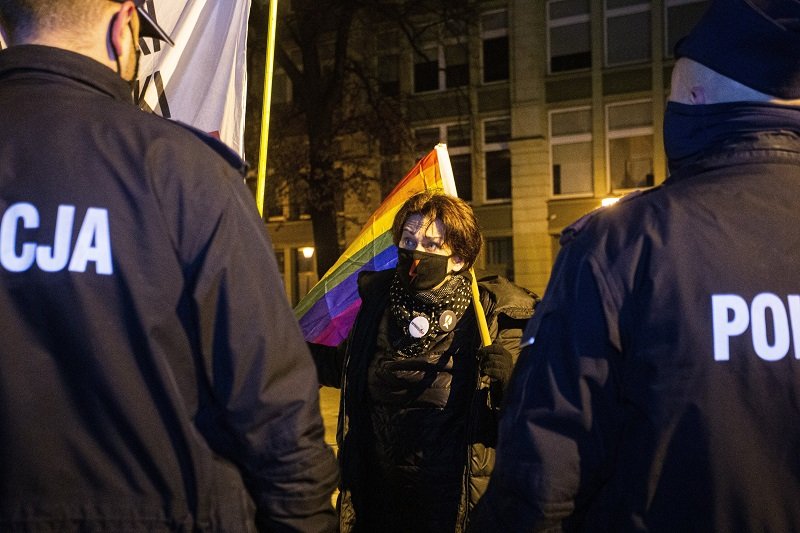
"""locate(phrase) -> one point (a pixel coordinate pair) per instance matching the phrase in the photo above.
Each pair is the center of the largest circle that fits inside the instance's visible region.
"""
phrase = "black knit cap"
(148, 27)
(754, 42)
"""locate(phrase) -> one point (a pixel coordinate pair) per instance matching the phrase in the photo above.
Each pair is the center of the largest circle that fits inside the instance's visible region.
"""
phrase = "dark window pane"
(580, 60)
(426, 76)
(556, 179)
(458, 135)
(456, 66)
(495, 59)
(570, 47)
(456, 75)
(462, 172)
(498, 175)
(389, 74)
(628, 38)
(497, 131)
(500, 256)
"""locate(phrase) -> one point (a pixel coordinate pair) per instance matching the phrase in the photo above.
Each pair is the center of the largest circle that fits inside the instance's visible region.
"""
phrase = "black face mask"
(421, 271)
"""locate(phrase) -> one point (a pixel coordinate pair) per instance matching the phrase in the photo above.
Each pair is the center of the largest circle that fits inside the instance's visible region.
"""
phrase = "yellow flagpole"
(262, 155)
(450, 188)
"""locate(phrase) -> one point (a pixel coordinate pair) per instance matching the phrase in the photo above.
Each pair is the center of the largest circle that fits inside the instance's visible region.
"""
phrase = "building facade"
(548, 109)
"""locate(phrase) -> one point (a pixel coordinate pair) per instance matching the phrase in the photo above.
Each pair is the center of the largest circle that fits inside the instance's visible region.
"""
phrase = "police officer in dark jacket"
(660, 392)
(152, 376)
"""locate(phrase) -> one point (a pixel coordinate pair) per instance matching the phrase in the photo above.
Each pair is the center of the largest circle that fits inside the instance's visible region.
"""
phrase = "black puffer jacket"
(507, 308)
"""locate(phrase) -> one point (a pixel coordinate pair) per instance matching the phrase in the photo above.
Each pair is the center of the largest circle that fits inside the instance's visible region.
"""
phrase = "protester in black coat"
(418, 422)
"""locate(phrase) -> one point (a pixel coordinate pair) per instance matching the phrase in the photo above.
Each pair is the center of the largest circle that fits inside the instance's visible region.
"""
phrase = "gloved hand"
(496, 362)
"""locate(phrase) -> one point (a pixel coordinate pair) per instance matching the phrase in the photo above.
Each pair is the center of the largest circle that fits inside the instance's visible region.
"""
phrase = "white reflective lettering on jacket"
(731, 317)
(93, 243)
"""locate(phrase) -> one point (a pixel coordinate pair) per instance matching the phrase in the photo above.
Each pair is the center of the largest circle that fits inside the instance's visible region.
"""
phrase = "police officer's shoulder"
(573, 230)
(222, 149)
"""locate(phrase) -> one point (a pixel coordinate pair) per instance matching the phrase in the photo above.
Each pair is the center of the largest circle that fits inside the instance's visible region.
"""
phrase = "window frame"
(441, 64)
(635, 131)
(495, 146)
(571, 20)
(573, 138)
(494, 34)
(642, 7)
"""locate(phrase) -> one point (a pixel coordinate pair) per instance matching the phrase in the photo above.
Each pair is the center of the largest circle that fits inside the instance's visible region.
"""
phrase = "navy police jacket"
(152, 375)
(661, 391)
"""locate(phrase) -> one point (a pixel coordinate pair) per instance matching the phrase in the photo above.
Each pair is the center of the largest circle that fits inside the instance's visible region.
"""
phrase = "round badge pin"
(447, 320)
(419, 327)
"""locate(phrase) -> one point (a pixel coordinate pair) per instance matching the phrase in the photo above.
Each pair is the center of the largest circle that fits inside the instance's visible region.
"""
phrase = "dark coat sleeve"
(329, 361)
(263, 410)
(559, 424)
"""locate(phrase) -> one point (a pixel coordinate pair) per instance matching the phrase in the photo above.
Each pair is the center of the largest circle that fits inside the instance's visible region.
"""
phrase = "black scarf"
(434, 313)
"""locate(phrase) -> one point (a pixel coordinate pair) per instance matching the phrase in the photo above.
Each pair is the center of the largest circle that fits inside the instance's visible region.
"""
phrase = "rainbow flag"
(328, 311)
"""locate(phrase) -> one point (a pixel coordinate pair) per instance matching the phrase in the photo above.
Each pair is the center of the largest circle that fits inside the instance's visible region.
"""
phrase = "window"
(500, 256)
(285, 202)
(497, 158)
(571, 151)
(630, 145)
(459, 142)
(680, 17)
(568, 35)
(439, 67)
(389, 74)
(426, 70)
(627, 31)
(494, 35)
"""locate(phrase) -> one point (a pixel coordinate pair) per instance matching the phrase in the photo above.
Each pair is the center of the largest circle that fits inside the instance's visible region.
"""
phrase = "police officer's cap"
(148, 27)
(755, 42)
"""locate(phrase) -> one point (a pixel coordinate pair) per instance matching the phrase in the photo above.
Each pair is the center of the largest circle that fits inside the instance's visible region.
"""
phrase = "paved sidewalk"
(329, 405)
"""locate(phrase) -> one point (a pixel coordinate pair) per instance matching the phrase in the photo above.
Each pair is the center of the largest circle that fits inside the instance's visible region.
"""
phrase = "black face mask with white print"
(421, 271)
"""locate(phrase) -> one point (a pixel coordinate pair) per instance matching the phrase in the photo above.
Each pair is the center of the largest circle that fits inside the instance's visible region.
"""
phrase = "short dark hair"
(22, 18)
(461, 231)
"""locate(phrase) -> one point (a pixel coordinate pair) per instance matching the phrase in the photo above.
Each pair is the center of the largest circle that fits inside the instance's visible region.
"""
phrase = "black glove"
(496, 362)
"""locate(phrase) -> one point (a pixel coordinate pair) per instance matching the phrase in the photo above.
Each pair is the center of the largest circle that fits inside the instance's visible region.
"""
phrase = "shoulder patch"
(222, 149)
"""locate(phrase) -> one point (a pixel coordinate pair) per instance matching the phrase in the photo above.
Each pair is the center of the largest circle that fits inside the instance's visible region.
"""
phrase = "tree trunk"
(326, 238)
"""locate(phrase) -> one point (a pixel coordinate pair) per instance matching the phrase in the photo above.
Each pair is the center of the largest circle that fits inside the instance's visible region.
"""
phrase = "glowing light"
(609, 200)
(307, 251)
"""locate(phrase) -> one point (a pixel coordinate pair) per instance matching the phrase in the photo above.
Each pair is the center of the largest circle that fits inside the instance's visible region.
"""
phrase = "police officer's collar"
(76, 67)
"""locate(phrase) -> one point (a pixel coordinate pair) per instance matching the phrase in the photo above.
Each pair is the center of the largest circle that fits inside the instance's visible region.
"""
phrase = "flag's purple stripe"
(338, 328)
(364, 258)
(326, 312)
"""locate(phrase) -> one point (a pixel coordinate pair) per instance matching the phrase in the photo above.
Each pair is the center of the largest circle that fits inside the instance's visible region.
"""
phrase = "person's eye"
(409, 243)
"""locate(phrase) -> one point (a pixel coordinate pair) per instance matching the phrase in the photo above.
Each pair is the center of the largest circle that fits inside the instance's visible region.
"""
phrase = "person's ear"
(457, 263)
(697, 95)
(118, 28)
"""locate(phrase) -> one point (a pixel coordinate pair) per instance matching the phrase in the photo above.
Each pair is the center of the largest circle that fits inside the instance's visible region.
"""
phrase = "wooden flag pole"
(262, 156)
